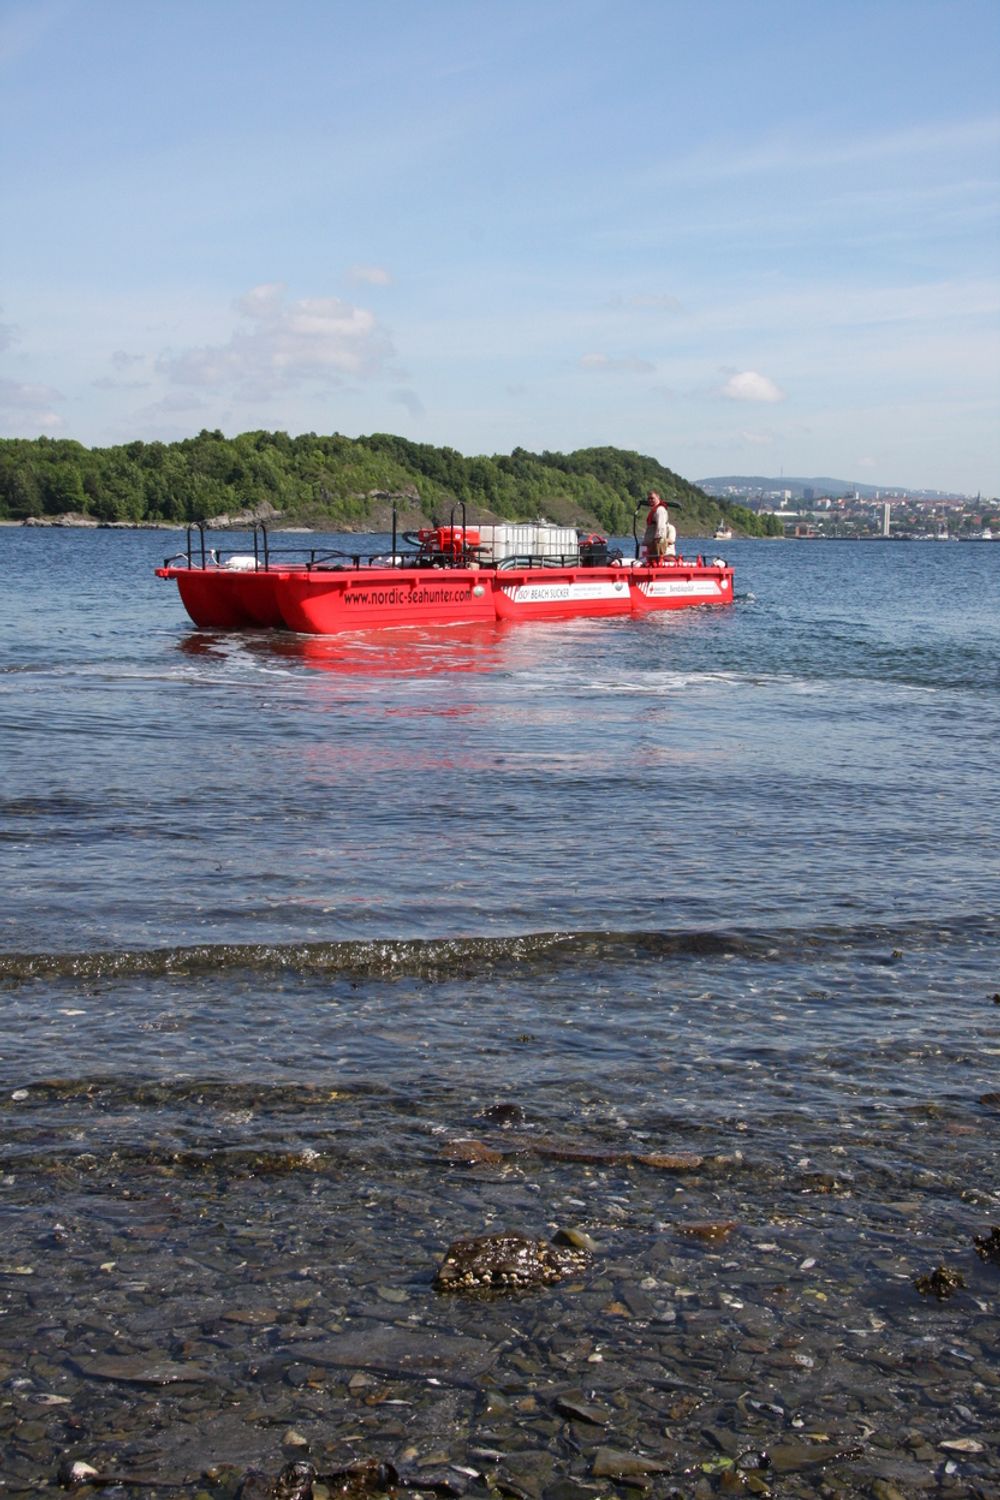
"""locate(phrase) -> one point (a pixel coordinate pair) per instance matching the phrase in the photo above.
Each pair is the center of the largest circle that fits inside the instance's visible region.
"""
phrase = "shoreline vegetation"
(334, 483)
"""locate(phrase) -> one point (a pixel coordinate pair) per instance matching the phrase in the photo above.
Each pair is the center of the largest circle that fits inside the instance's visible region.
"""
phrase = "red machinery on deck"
(454, 574)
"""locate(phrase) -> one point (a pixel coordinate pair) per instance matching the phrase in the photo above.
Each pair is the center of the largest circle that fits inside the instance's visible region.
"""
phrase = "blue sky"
(741, 236)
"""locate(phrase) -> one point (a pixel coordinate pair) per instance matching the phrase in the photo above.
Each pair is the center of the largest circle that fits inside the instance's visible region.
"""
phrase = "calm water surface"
(689, 925)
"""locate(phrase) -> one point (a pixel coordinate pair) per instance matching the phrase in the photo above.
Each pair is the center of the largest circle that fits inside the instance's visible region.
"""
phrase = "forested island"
(340, 483)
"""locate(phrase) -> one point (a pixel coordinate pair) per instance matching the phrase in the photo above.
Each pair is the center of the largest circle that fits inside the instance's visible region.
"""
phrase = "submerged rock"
(711, 1231)
(74, 1472)
(470, 1152)
(577, 1408)
(140, 1370)
(295, 1482)
(612, 1463)
(988, 1245)
(504, 1114)
(507, 1262)
(940, 1283)
(671, 1161)
(577, 1239)
(369, 1476)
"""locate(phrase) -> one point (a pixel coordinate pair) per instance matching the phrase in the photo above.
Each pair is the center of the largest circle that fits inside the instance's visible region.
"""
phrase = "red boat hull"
(326, 603)
(321, 602)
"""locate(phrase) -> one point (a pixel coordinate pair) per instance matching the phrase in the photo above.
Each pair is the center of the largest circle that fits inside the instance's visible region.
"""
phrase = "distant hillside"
(341, 483)
(747, 484)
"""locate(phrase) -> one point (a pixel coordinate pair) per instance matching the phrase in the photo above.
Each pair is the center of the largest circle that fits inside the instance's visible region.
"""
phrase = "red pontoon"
(449, 575)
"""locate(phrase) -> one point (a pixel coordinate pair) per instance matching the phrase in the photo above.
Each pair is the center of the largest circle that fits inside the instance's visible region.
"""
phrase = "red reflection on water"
(418, 650)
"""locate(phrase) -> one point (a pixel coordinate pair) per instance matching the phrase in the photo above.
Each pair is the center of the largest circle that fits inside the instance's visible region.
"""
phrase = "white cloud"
(370, 275)
(627, 366)
(757, 439)
(30, 406)
(748, 385)
(282, 344)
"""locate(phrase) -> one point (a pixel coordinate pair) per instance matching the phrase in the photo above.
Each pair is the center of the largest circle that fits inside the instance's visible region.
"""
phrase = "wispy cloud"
(170, 405)
(30, 406)
(410, 400)
(282, 344)
(798, 152)
(110, 383)
(369, 276)
(750, 385)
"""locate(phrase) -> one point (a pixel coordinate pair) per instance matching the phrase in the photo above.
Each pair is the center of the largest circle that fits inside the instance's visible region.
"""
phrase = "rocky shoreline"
(409, 517)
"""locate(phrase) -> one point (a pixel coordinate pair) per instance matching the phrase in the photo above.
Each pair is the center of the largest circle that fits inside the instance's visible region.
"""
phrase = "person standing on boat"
(661, 535)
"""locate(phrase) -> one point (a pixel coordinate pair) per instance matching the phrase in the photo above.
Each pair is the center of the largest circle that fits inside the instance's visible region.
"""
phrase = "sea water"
(679, 933)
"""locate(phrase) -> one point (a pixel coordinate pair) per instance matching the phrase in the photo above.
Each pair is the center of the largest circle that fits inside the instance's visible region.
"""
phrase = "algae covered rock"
(506, 1262)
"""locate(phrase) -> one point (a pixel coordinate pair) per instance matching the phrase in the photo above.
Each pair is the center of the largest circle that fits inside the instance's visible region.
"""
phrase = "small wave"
(453, 957)
(238, 1099)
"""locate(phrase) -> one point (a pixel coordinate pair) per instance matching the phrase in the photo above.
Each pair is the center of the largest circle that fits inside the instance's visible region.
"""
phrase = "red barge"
(450, 575)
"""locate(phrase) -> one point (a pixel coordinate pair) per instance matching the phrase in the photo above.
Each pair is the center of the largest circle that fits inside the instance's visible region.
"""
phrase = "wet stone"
(425, 1352)
(530, 1472)
(612, 1463)
(140, 1371)
(577, 1408)
(577, 1239)
(256, 1486)
(252, 1317)
(789, 1458)
(571, 1489)
(508, 1262)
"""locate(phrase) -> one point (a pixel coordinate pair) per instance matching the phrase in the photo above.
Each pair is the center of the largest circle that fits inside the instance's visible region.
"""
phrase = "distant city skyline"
(734, 237)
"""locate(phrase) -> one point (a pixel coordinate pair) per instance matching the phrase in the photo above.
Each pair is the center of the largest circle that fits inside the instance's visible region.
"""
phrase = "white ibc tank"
(528, 539)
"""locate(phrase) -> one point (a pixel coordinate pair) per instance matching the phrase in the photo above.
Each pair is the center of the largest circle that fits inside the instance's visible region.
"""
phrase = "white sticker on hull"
(558, 593)
(675, 588)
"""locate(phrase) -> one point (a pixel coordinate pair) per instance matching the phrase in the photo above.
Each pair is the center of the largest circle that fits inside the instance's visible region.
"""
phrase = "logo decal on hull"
(678, 587)
(558, 593)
